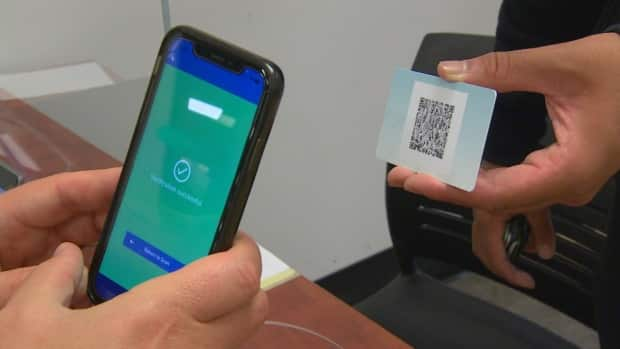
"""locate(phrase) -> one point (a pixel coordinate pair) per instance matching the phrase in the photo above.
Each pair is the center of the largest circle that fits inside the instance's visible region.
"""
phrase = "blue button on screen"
(151, 253)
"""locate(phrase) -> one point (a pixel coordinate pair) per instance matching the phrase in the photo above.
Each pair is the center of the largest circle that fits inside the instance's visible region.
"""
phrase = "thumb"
(533, 70)
(10, 281)
(53, 281)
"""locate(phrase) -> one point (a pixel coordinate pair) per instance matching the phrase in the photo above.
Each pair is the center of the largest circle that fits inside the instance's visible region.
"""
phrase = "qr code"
(431, 128)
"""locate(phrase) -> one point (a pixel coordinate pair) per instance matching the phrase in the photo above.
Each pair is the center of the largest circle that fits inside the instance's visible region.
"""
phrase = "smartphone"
(8, 178)
(200, 135)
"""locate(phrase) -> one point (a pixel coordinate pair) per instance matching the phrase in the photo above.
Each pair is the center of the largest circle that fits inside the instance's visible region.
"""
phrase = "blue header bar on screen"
(248, 84)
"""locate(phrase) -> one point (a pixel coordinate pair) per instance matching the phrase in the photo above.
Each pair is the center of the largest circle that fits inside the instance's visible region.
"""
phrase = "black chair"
(425, 312)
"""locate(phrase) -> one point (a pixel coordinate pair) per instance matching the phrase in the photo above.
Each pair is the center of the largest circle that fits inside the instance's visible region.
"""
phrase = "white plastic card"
(436, 127)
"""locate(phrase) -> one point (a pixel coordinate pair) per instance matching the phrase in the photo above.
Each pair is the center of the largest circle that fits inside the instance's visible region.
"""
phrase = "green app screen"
(184, 167)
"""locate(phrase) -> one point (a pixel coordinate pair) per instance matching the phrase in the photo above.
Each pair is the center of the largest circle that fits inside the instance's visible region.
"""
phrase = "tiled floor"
(527, 307)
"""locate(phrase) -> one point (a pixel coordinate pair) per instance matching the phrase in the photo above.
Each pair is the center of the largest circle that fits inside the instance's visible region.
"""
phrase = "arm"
(582, 97)
(518, 121)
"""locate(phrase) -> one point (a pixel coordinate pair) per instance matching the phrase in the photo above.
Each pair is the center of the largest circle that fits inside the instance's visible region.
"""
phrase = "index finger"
(522, 187)
(212, 286)
(10, 281)
(54, 199)
(488, 245)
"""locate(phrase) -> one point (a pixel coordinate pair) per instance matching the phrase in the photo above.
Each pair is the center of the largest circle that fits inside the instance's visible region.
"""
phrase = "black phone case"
(252, 153)
(9, 178)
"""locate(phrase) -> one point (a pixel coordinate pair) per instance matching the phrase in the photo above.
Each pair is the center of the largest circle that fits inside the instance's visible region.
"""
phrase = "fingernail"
(59, 249)
(410, 186)
(545, 251)
(83, 281)
(453, 70)
(525, 280)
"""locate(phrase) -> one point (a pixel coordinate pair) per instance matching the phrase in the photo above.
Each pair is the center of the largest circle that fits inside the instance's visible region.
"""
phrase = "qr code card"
(436, 127)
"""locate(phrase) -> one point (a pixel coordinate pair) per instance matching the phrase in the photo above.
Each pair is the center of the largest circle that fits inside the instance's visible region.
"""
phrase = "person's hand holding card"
(579, 80)
(583, 101)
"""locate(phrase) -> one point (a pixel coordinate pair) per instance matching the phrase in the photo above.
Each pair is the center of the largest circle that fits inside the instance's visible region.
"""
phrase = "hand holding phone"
(37, 305)
(192, 160)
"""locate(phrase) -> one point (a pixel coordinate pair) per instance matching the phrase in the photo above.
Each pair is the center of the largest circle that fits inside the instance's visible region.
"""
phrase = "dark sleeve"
(519, 119)
(606, 300)
(614, 28)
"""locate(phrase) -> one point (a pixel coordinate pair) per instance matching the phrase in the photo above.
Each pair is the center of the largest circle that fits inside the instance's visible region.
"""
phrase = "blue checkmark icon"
(182, 171)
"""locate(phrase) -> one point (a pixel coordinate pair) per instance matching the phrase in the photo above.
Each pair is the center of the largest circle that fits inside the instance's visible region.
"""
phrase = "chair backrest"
(420, 227)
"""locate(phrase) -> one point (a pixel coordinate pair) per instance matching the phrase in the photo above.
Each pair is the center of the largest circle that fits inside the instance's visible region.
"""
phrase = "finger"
(80, 298)
(398, 175)
(530, 246)
(235, 328)
(534, 70)
(10, 281)
(429, 186)
(517, 188)
(211, 286)
(79, 230)
(53, 281)
(88, 252)
(488, 245)
(54, 199)
(542, 230)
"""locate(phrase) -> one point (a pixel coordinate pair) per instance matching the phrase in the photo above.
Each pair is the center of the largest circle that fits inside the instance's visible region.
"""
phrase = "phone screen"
(186, 160)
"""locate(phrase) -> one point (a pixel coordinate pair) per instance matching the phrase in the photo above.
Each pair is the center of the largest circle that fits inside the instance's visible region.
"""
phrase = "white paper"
(275, 270)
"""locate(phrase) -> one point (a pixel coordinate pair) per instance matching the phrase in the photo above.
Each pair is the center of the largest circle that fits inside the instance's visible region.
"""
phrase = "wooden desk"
(36, 146)
(297, 302)
(303, 303)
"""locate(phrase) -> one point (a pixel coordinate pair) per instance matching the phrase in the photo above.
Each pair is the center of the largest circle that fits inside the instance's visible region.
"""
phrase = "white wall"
(318, 199)
(121, 35)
